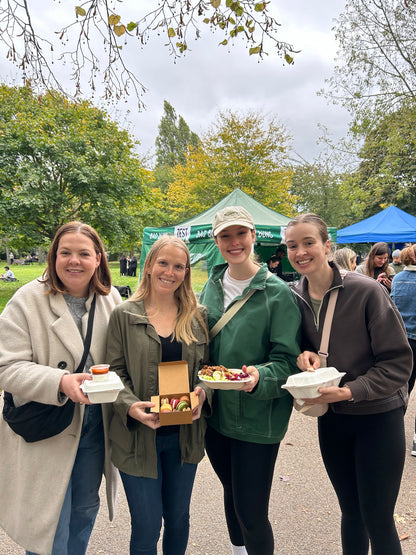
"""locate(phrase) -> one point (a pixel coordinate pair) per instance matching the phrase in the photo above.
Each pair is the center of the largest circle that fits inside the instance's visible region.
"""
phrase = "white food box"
(105, 391)
(305, 384)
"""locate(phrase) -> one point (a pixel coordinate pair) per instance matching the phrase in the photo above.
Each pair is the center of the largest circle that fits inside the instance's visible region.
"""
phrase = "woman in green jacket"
(247, 425)
(161, 322)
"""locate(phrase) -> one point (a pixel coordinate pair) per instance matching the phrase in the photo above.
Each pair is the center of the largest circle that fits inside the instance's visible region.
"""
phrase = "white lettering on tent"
(183, 233)
(264, 234)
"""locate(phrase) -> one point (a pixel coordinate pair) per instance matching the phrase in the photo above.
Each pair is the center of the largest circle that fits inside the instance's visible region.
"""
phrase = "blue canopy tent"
(391, 225)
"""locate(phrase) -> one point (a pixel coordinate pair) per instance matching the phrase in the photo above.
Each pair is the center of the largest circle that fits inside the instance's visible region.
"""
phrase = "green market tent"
(197, 231)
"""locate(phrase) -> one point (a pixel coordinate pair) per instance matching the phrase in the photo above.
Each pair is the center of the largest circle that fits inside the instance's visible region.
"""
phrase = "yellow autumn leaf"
(215, 3)
(171, 32)
(119, 30)
(80, 11)
(113, 19)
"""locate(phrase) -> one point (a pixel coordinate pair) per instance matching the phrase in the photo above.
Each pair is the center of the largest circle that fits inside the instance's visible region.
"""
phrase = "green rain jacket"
(264, 331)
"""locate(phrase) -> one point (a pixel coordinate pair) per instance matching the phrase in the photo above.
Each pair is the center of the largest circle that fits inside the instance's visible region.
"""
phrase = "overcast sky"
(212, 78)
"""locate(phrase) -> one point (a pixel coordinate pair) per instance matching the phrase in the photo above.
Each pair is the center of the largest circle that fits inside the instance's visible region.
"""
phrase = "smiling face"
(306, 251)
(168, 270)
(235, 243)
(380, 260)
(76, 262)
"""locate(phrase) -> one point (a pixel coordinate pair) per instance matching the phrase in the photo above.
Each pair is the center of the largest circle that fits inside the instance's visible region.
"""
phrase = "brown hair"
(376, 250)
(312, 219)
(101, 280)
(187, 303)
(408, 255)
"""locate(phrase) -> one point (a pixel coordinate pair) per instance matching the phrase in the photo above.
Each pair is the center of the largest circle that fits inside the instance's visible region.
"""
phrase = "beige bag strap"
(326, 330)
(226, 317)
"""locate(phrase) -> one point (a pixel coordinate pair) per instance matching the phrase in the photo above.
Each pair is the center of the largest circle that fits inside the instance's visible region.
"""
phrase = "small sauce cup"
(100, 372)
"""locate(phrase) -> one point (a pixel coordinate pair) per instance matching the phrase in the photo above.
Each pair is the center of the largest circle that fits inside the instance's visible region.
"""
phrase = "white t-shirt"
(233, 287)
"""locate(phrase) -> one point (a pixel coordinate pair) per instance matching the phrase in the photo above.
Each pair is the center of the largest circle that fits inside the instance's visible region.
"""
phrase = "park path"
(303, 507)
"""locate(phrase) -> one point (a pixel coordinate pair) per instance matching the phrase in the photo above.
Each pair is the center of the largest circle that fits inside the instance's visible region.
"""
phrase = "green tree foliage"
(387, 171)
(61, 161)
(376, 67)
(174, 139)
(317, 188)
(173, 142)
(246, 151)
(92, 43)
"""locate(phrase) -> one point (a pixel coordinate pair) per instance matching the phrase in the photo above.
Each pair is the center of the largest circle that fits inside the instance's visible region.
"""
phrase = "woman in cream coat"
(40, 348)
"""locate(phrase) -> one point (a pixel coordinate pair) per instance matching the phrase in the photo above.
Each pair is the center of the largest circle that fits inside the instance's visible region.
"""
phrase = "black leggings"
(246, 473)
(364, 458)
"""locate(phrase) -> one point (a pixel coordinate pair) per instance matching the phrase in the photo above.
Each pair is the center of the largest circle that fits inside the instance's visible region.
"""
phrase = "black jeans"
(246, 497)
(364, 458)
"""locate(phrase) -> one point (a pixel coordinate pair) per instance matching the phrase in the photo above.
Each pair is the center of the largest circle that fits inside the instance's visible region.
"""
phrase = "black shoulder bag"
(36, 421)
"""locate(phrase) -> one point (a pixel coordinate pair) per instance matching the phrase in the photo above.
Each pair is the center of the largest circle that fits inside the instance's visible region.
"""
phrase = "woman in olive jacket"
(160, 323)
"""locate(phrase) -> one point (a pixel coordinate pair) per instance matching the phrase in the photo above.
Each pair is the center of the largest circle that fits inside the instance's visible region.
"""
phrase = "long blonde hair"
(344, 257)
(187, 303)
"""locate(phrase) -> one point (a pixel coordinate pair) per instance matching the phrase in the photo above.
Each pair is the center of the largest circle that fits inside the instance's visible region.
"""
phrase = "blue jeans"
(166, 497)
(82, 500)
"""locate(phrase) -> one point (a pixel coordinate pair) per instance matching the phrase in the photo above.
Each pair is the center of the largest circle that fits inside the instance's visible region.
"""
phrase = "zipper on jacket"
(315, 318)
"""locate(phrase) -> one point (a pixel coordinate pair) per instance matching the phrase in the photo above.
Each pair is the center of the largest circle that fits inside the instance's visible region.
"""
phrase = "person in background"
(50, 488)
(376, 265)
(123, 265)
(273, 264)
(161, 322)
(361, 436)
(345, 258)
(133, 266)
(403, 293)
(8, 275)
(11, 256)
(396, 265)
(247, 425)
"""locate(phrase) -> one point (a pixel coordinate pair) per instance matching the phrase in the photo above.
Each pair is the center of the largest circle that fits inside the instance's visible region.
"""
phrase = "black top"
(171, 350)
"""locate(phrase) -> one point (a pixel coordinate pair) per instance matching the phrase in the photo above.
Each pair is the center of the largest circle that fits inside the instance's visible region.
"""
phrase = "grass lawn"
(27, 273)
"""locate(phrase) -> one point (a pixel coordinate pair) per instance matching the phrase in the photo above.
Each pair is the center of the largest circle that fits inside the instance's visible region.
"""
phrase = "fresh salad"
(222, 374)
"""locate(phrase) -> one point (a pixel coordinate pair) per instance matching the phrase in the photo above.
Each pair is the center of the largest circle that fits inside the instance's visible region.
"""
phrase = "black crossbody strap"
(87, 340)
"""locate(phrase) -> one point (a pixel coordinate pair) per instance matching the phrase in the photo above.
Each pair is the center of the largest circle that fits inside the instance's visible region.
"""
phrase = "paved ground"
(303, 509)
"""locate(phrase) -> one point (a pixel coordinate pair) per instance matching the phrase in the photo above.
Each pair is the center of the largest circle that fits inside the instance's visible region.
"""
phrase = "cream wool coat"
(37, 332)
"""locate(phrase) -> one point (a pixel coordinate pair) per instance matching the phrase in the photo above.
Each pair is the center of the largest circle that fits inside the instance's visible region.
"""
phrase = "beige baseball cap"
(231, 215)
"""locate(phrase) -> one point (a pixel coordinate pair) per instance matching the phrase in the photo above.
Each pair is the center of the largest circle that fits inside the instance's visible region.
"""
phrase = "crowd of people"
(247, 317)
(128, 265)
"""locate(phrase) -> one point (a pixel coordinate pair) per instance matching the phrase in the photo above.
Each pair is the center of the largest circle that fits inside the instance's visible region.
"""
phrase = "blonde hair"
(187, 303)
(344, 257)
